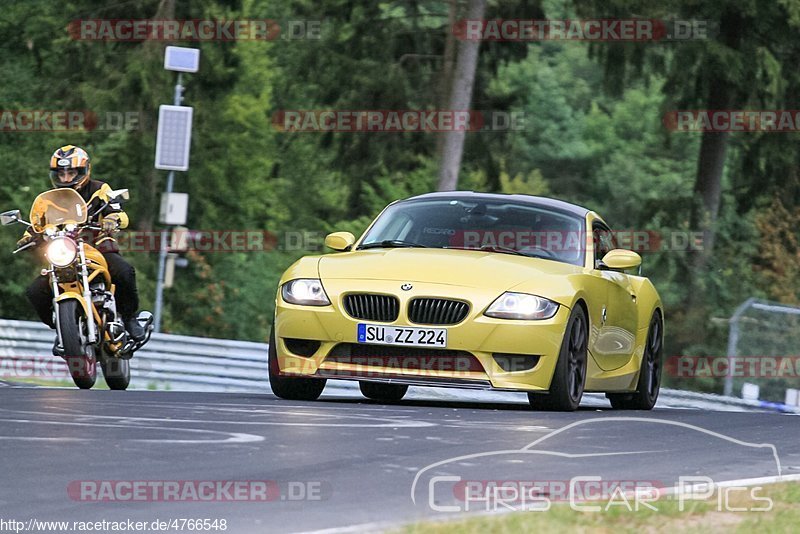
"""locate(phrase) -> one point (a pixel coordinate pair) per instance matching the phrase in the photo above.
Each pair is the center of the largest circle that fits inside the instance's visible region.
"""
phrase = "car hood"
(466, 268)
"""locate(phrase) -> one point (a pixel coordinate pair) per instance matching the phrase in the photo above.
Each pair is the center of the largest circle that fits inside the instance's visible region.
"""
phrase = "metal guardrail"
(166, 362)
(206, 364)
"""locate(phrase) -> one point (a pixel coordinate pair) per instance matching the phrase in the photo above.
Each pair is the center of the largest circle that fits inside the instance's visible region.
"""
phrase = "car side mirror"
(9, 217)
(118, 194)
(620, 260)
(341, 241)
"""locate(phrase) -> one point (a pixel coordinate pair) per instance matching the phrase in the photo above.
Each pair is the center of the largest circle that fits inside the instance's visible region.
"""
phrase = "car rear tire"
(569, 377)
(383, 392)
(289, 387)
(649, 384)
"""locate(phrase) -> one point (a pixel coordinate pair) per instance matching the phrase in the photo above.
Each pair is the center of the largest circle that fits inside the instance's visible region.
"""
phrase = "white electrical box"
(179, 240)
(169, 270)
(174, 208)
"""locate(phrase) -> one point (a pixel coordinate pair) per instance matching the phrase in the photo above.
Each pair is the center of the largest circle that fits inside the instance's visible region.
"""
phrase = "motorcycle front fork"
(87, 297)
(54, 287)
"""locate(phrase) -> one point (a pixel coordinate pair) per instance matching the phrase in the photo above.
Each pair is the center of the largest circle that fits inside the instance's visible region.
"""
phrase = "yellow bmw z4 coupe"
(472, 290)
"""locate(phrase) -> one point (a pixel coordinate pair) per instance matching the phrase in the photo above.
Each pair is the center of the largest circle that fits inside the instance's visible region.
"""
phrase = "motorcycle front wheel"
(79, 354)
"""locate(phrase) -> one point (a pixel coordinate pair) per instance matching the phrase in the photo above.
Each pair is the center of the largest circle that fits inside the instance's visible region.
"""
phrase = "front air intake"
(437, 311)
(370, 307)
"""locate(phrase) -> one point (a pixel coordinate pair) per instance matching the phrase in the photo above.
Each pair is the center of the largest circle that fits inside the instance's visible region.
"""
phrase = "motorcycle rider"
(70, 166)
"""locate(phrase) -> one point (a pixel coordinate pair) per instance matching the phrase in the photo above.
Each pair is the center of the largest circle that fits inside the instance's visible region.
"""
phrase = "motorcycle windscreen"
(58, 207)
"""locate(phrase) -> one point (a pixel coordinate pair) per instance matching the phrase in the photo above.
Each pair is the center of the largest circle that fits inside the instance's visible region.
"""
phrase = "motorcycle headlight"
(521, 306)
(61, 251)
(305, 291)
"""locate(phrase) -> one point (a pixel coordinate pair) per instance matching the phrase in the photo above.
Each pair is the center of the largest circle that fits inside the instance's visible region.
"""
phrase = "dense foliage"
(593, 134)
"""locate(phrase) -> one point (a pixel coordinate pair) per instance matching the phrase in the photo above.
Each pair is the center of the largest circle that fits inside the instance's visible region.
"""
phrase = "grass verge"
(697, 516)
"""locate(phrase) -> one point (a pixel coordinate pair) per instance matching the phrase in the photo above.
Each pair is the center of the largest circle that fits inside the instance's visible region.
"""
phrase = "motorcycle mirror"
(9, 217)
(118, 194)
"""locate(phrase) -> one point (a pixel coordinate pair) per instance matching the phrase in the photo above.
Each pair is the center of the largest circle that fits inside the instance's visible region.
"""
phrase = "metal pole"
(162, 258)
(733, 340)
(162, 252)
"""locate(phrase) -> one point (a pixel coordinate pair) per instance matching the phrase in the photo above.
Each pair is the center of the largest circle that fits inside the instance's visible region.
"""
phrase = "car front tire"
(289, 387)
(569, 377)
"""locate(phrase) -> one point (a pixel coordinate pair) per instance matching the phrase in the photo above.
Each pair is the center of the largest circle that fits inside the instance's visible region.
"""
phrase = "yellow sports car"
(472, 290)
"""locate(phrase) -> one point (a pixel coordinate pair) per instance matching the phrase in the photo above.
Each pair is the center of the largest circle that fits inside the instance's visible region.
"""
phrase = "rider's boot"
(135, 329)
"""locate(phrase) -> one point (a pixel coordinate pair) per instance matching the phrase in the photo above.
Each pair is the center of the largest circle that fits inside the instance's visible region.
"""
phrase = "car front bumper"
(482, 352)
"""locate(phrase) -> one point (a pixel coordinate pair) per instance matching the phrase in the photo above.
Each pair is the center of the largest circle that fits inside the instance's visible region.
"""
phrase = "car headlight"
(521, 306)
(305, 291)
(61, 251)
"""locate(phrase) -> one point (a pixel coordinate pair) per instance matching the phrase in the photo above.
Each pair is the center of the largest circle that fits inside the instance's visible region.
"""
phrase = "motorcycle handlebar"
(35, 242)
(71, 234)
(29, 245)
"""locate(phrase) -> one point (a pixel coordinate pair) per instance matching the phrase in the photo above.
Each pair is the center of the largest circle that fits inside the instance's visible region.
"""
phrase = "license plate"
(401, 335)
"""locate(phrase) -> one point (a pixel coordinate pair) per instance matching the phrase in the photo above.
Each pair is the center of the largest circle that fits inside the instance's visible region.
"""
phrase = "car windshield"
(489, 225)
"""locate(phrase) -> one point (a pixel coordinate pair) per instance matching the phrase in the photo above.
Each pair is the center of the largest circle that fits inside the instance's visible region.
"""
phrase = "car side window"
(603, 241)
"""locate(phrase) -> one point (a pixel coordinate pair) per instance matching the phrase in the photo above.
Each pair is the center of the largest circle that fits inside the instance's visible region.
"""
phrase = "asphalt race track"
(344, 461)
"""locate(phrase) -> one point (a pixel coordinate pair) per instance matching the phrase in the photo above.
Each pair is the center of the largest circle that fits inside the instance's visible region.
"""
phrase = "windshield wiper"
(391, 243)
(494, 248)
(503, 250)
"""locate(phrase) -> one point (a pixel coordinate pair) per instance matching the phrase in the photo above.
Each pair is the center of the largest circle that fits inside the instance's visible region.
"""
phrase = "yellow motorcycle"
(88, 325)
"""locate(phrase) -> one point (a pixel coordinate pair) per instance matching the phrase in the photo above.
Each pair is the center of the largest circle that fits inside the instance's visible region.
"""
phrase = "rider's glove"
(26, 239)
(110, 224)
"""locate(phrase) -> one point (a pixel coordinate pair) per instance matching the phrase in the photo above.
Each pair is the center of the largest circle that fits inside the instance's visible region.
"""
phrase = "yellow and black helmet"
(70, 157)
